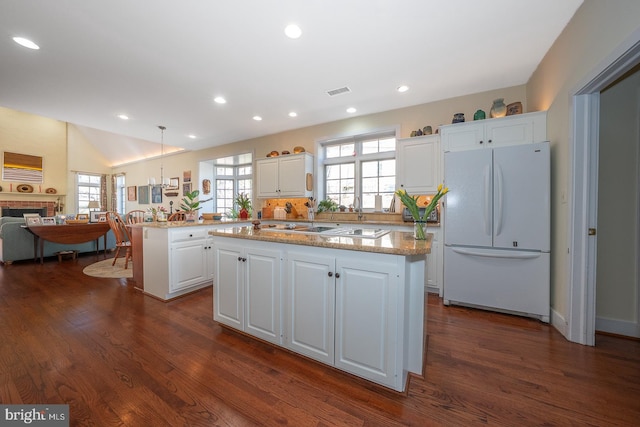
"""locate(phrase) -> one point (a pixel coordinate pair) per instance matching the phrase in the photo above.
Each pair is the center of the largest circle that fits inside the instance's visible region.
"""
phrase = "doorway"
(584, 198)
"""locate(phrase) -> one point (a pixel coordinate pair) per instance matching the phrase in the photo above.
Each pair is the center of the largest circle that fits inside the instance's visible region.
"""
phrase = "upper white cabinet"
(510, 130)
(418, 164)
(284, 176)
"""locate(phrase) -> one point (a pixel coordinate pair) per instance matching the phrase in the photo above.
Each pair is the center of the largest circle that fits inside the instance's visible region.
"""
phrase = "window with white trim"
(360, 168)
(87, 189)
(229, 181)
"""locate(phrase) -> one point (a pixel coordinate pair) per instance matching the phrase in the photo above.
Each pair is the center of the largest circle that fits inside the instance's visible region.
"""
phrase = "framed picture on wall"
(156, 194)
(131, 193)
(143, 194)
(186, 188)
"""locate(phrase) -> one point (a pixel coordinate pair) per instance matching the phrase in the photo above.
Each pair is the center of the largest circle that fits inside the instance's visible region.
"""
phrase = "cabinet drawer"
(188, 234)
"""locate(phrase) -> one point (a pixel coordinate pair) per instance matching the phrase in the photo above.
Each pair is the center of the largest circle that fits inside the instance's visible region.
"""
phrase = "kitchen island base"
(360, 312)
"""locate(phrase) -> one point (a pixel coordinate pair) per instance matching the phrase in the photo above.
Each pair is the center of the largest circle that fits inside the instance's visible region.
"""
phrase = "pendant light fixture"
(163, 182)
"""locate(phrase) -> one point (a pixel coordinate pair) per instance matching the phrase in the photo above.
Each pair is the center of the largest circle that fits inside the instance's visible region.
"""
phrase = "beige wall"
(407, 119)
(37, 136)
(616, 281)
(595, 31)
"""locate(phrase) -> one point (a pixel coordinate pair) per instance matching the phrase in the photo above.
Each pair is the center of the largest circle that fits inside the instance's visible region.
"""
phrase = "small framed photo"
(49, 220)
(30, 215)
(97, 216)
(186, 188)
(82, 217)
(34, 220)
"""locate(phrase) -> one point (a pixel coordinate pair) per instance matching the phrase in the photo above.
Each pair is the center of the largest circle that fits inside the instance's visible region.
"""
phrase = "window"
(121, 194)
(232, 178)
(360, 168)
(88, 188)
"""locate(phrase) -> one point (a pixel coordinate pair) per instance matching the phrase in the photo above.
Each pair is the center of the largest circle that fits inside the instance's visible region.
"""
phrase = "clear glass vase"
(420, 230)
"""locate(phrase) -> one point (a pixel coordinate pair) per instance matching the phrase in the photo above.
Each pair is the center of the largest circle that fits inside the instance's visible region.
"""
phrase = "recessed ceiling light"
(403, 88)
(26, 43)
(257, 118)
(192, 136)
(292, 31)
(220, 100)
(123, 116)
(293, 114)
(351, 110)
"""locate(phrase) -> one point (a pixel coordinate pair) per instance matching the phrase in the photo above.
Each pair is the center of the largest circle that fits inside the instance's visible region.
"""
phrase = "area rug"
(105, 269)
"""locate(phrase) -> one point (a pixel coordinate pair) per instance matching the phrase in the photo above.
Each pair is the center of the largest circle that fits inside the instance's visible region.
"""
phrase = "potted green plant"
(327, 205)
(244, 205)
(190, 204)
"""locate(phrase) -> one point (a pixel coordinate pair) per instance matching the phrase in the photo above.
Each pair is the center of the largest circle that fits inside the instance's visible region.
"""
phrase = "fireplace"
(18, 212)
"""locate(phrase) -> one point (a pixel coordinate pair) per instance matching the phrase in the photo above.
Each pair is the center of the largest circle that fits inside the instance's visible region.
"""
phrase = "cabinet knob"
(239, 258)
(330, 274)
(481, 142)
(244, 260)
(337, 275)
(489, 141)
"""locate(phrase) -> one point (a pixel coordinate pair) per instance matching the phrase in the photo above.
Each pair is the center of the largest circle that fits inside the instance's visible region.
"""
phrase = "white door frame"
(584, 184)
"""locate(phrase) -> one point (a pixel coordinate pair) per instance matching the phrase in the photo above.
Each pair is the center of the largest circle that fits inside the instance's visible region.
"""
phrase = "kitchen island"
(353, 303)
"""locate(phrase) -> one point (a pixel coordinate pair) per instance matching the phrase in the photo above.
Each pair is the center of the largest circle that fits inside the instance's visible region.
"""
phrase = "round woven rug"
(105, 269)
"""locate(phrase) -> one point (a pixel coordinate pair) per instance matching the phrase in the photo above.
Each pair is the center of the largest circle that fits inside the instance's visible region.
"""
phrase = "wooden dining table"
(68, 234)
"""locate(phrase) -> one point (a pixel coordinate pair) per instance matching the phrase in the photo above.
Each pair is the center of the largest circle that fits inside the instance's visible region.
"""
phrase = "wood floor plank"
(118, 357)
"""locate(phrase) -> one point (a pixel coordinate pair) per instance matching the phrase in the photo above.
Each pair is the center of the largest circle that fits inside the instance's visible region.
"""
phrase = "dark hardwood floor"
(118, 357)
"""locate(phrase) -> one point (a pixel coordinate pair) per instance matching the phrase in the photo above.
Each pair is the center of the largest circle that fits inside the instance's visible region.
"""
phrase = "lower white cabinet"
(360, 312)
(176, 260)
(247, 288)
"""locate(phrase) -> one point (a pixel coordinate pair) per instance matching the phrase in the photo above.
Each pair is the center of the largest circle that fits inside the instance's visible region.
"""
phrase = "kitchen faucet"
(357, 208)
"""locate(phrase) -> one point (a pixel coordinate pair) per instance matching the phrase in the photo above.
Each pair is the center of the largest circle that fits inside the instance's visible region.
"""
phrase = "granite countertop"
(394, 242)
(181, 224)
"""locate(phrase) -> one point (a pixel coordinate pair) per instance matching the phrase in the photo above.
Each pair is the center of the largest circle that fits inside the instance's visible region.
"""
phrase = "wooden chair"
(135, 216)
(177, 216)
(123, 240)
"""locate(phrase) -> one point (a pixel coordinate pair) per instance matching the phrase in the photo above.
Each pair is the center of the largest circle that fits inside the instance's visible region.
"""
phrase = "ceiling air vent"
(338, 91)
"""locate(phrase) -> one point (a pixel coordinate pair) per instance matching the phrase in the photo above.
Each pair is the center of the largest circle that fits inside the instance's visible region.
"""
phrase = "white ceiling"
(162, 62)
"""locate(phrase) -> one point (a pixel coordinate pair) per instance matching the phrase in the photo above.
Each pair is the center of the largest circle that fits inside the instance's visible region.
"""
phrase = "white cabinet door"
(310, 306)
(292, 179)
(463, 136)
(366, 318)
(418, 164)
(262, 293)
(267, 177)
(515, 130)
(284, 176)
(228, 294)
(189, 265)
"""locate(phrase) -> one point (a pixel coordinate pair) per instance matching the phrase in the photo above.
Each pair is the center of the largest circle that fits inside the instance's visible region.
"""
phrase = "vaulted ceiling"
(163, 62)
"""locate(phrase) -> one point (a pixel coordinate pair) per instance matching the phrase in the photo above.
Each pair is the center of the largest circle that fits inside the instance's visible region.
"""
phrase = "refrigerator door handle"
(497, 254)
(499, 193)
(487, 200)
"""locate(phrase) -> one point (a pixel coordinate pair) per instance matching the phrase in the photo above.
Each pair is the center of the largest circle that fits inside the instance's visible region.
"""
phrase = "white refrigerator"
(497, 229)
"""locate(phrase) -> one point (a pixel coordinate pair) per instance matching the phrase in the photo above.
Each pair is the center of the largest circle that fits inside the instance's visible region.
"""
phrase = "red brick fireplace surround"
(22, 204)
